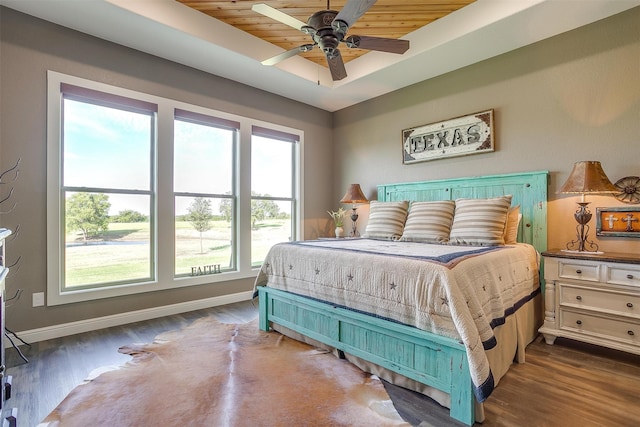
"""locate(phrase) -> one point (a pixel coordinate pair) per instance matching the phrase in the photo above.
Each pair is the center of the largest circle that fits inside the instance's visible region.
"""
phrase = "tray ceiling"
(445, 35)
(386, 18)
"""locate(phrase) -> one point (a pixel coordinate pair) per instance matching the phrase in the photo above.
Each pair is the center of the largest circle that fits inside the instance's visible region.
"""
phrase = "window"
(203, 172)
(100, 245)
(148, 193)
(273, 190)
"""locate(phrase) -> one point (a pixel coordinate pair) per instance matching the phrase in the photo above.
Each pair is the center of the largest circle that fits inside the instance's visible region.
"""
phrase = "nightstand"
(593, 298)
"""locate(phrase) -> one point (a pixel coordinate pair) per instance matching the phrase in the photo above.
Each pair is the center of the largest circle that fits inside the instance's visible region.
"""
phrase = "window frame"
(109, 100)
(163, 231)
(294, 140)
(187, 116)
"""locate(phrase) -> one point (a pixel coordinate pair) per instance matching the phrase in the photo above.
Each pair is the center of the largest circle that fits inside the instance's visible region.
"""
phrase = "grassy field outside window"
(122, 253)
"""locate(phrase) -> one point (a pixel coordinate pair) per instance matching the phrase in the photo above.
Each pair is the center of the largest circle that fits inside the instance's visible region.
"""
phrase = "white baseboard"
(65, 329)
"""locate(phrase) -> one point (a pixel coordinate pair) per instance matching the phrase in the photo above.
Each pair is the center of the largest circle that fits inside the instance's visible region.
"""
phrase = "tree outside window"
(87, 213)
(200, 216)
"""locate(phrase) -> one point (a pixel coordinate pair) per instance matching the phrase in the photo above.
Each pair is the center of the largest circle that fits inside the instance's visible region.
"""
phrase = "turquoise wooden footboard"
(425, 357)
(430, 359)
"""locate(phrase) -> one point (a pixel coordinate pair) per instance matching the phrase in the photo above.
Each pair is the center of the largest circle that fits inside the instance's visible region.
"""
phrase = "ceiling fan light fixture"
(328, 42)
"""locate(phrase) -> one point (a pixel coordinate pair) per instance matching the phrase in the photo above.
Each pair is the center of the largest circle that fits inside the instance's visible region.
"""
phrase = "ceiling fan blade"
(336, 65)
(378, 43)
(275, 14)
(287, 54)
(353, 10)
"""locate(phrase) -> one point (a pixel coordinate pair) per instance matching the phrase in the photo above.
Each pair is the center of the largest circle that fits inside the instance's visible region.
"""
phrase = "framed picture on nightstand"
(618, 222)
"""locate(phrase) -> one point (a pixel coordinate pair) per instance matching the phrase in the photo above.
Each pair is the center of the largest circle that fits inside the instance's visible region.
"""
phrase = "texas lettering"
(455, 137)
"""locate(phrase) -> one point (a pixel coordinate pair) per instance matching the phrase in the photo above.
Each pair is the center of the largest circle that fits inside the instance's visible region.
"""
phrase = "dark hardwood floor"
(567, 384)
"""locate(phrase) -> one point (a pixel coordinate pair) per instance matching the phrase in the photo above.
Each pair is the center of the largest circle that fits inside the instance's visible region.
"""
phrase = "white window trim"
(165, 223)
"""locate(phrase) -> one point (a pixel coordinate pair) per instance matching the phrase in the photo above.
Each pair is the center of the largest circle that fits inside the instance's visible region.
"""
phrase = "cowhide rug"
(219, 375)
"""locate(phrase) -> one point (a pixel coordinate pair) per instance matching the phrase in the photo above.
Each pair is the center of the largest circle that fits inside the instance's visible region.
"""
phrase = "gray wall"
(29, 48)
(573, 97)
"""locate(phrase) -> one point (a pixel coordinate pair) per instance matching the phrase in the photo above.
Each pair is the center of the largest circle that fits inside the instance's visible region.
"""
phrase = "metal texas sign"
(461, 136)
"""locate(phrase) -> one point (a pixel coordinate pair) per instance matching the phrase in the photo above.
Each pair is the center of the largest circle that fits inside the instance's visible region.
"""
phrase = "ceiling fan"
(328, 29)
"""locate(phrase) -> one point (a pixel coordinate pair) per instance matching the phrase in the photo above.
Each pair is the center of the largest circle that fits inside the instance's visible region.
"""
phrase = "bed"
(446, 337)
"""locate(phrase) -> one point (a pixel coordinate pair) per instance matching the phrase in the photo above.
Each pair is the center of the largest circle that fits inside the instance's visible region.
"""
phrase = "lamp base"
(354, 220)
(582, 243)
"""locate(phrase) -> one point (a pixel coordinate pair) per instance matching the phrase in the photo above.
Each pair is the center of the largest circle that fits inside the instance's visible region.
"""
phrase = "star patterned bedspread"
(461, 292)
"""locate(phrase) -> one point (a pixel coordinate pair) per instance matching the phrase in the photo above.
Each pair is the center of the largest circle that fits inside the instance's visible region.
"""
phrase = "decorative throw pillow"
(513, 225)
(480, 221)
(386, 220)
(429, 222)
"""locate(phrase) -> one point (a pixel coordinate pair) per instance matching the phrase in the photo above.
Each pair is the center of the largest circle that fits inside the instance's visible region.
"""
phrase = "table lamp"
(587, 177)
(354, 196)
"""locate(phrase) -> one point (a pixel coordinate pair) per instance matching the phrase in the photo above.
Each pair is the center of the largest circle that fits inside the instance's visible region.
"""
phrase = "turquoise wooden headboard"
(529, 190)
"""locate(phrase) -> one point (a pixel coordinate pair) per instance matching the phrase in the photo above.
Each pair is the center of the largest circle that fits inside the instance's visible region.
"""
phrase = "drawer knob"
(578, 297)
(578, 271)
(630, 333)
(578, 322)
(629, 276)
(630, 305)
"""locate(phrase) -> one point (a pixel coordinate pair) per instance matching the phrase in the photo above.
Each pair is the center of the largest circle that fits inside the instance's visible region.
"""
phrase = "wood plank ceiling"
(387, 18)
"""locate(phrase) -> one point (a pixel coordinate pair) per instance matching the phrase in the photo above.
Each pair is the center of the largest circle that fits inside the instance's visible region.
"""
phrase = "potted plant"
(338, 220)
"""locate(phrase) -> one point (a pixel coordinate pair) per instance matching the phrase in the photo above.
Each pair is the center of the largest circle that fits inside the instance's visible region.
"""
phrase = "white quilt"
(461, 292)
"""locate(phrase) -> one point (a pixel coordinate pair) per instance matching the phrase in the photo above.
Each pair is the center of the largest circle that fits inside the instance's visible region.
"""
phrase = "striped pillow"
(429, 222)
(480, 221)
(386, 220)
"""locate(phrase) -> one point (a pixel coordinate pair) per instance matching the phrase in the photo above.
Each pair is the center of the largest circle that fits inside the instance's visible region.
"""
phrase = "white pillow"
(386, 220)
(429, 222)
(480, 221)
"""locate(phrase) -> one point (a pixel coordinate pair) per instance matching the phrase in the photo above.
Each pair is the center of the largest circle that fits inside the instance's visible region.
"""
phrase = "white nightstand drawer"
(577, 271)
(600, 326)
(624, 275)
(622, 303)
